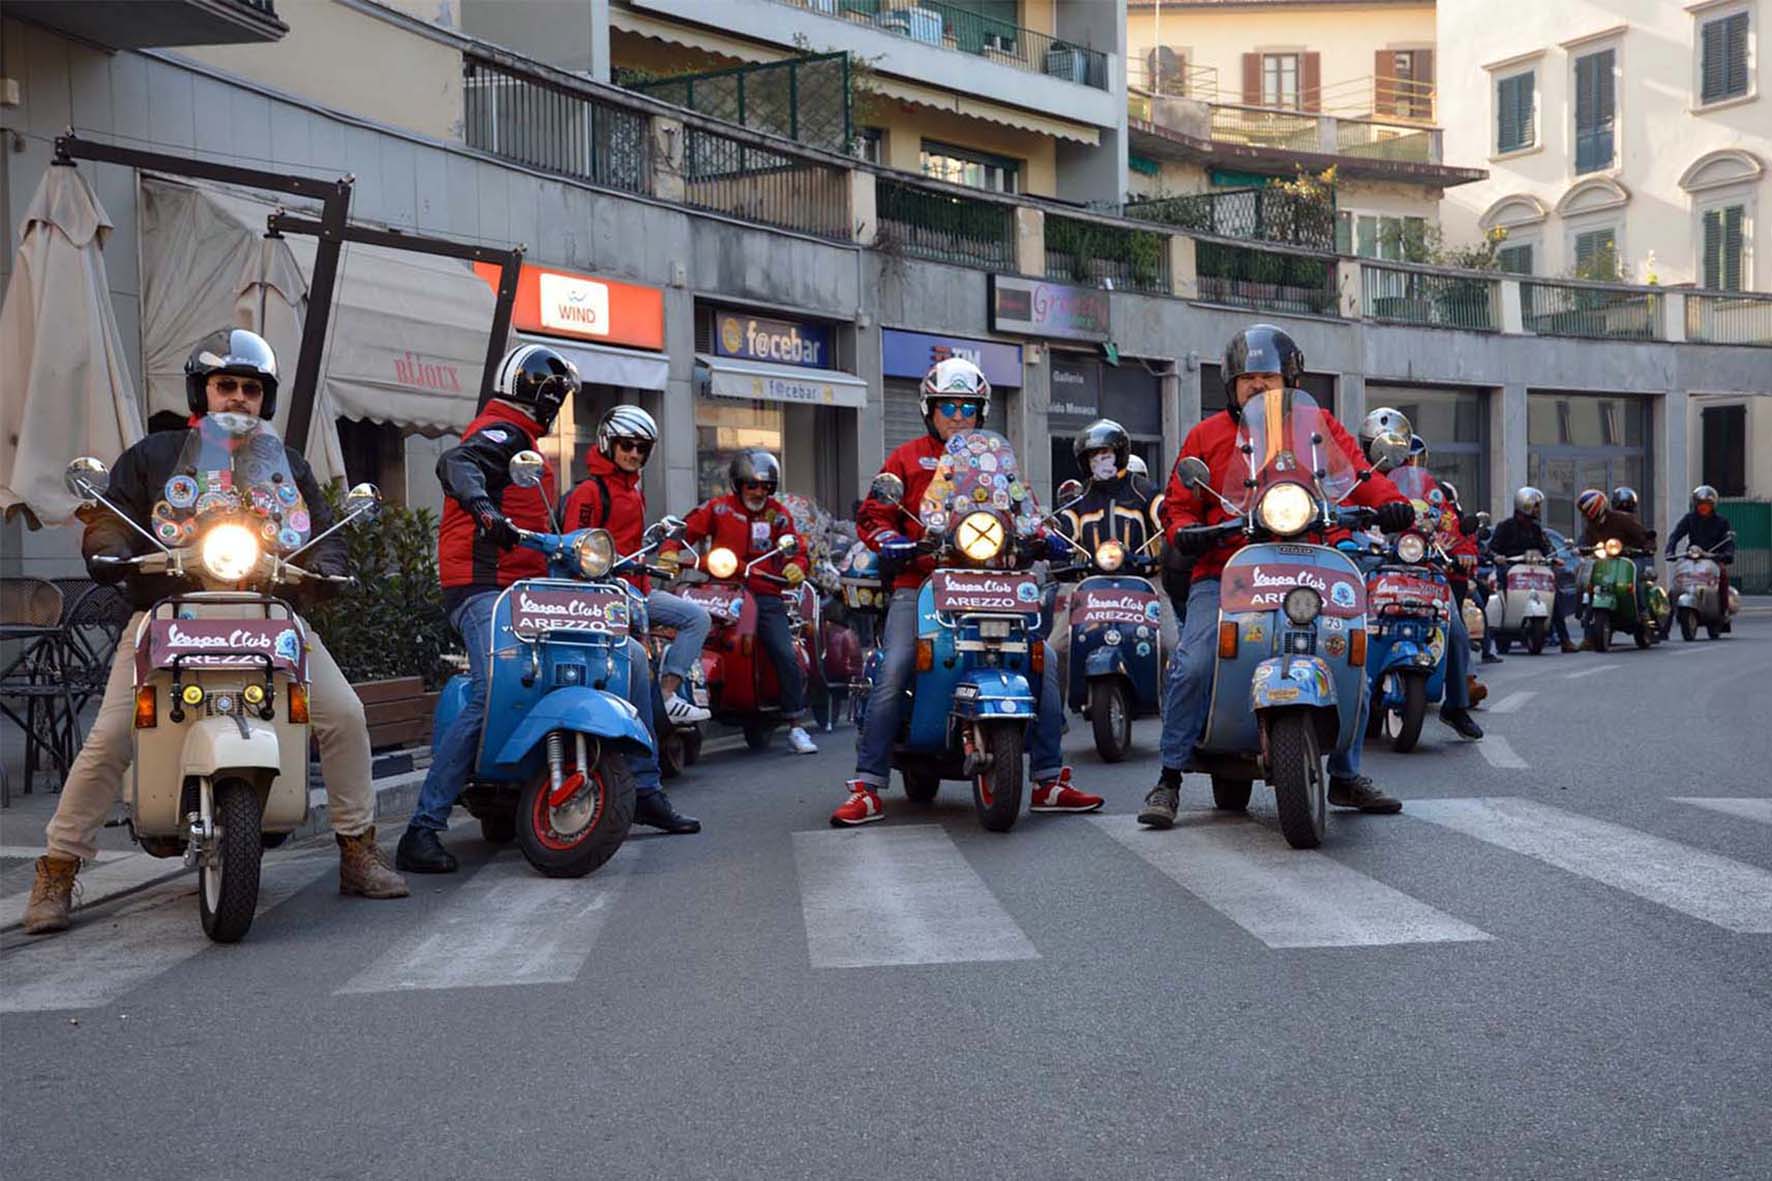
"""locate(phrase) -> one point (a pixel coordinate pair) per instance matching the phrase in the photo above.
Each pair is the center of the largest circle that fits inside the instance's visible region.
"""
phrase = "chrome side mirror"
(85, 476)
(363, 500)
(886, 488)
(788, 544)
(1070, 490)
(527, 468)
(1388, 451)
(1193, 472)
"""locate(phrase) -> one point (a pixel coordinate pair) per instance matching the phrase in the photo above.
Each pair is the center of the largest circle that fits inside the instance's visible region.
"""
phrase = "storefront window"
(723, 427)
(1578, 441)
(1455, 424)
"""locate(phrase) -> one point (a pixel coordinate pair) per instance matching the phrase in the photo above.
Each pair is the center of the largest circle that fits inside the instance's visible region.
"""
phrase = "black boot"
(1461, 721)
(654, 810)
(1360, 792)
(421, 851)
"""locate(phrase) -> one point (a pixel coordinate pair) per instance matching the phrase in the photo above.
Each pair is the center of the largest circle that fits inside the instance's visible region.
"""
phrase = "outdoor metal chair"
(34, 664)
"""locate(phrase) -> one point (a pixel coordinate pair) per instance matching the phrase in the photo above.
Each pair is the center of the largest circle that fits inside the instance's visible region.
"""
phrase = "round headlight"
(254, 694)
(1411, 548)
(1286, 509)
(1614, 547)
(1302, 604)
(230, 551)
(722, 563)
(1694, 552)
(980, 536)
(1110, 556)
(192, 695)
(1600, 550)
(594, 553)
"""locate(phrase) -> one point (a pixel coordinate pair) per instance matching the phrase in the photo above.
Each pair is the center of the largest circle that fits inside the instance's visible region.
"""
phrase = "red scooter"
(742, 687)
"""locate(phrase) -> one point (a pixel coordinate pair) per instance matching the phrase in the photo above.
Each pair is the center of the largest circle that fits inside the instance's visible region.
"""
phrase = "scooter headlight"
(1411, 548)
(1600, 550)
(1286, 509)
(594, 553)
(230, 552)
(1302, 604)
(722, 563)
(1614, 547)
(1110, 556)
(980, 536)
(1694, 552)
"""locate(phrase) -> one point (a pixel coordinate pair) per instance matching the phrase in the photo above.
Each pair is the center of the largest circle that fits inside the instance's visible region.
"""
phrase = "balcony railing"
(948, 26)
(1272, 280)
(1432, 298)
(735, 177)
(1589, 309)
(1401, 142)
(1266, 215)
(1285, 130)
(945, 226)
(1367, 97)
(1729, 318)
(1089, 252)
(806, 99)
(549, 125)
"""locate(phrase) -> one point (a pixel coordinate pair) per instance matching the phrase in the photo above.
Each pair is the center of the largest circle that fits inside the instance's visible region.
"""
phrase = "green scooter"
(1612, 596)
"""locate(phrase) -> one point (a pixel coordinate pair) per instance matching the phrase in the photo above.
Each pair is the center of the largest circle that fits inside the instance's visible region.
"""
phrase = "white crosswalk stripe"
(506, 925)
(1589, 671)
(97, 962)
(1512, 702)
(906, 895)
(1499, 752)
(1746, 809)
(1283, 896)
(1727, 893)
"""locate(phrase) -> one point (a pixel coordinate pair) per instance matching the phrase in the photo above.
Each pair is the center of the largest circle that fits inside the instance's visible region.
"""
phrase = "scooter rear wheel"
(227, 886)
(1301, 785)
(996, 791)
(498, 828)
(1535, 636)
(1231, 795)
(757, 734)
(920, 787)
(584, 831)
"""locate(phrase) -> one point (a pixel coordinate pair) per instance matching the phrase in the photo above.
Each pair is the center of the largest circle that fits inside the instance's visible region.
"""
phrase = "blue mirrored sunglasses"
(958, 409)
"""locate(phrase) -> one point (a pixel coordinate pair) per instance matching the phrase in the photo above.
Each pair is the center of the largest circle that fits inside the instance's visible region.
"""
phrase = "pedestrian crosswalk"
(899, 897)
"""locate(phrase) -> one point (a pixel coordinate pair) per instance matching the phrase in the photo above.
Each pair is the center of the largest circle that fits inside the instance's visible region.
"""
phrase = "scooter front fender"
(213, 745)
(580, 710)
(1107, 660)
(1292, 680)
(992, 693)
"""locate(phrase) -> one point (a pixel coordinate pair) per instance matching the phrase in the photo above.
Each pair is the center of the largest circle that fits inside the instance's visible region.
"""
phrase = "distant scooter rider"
(1116, 505)
(478, 555)
(751, 523)
(1703, 527)
(1521, 533)
(1259, 358)
(1616, 521)
(955, 398)
(610, 497)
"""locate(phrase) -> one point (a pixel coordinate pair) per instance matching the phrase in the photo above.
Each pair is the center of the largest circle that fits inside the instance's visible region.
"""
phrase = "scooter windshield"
(978, 470)
(1419, 487)
(1284, 434)
(233, 465)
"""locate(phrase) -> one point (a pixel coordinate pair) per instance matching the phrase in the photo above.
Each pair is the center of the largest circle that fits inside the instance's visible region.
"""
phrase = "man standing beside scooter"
(955, 398)
(1257, 359)
(478, 556)
(1704, 528)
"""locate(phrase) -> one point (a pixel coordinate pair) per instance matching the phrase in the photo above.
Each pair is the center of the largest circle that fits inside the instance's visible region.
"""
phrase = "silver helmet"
(1384, 437)
(625, 422)
(1529, 502)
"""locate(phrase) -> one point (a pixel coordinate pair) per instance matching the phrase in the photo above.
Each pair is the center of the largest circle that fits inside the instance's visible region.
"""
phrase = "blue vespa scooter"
(1292, 615)
(1409, 609)
(979, 656)
(552, 768)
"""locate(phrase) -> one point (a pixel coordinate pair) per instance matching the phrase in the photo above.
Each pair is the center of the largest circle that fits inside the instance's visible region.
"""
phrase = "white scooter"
(1698, 579)
(1520, 608)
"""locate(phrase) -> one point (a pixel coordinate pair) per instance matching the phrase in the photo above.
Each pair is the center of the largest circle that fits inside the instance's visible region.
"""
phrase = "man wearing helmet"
(609, 497)
(1705, 528)
(1522, 532)
(956, 398)
(1257, 359)
(478, 555)
(1115, 506)
(230, 371)
(751, 522)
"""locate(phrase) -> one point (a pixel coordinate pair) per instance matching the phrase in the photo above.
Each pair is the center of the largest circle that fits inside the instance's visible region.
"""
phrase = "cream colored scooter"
(221, 703)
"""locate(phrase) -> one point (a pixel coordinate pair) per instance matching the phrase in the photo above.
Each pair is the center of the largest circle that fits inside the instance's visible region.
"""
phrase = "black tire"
(1110, 716)
(227, 890)
(498, 828)
(1231, 795)
(757, 734)
(691, 746)
(1714, 630)
(1645, 634)
(671, 755)
(920, 787)
(1535, 636)
(1689, 625)
(996, 793)
(1411, 716)
(272, 840)
(1375, 724)
(1503, 645)
(599, 817)
(1601, 628)
(1301, 786)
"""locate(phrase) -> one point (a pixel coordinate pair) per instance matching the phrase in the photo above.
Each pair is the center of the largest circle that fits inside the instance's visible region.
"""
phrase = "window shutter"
(1714, 67)
(1713, 242)
(1507, 115)
(1603, 92)
(1384, 82)
(1252, 79)
(1586, 246)
(1311, 82)
(1422, 92)
(1733, 247)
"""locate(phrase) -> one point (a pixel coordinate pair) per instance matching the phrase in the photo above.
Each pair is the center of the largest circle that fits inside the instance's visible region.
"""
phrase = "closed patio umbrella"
(273, 302)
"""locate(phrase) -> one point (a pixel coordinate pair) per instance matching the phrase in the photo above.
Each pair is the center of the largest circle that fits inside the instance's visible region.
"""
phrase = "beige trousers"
(95, 781)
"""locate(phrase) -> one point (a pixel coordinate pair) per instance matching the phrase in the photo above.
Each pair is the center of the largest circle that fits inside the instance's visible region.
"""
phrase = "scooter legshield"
(992, 693)
(579, 710)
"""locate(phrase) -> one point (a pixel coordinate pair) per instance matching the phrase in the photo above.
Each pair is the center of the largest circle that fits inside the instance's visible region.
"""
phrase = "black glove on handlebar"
(493, 525)
(1396, 516)
(1195, 540)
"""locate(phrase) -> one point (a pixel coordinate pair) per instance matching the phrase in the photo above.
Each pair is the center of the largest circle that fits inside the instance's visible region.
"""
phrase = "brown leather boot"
(52, 894)
(362, 870)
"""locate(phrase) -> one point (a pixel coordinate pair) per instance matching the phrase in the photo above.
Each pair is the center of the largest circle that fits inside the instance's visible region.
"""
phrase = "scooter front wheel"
(1301, 786)
(1689, 625)
(996, 791)
(577, 835)
(1411, 715)
(1602, 629)
(1110, 716)
(227, 880)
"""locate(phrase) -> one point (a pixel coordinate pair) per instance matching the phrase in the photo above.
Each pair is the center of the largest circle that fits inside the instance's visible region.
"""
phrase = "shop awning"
(607, 365)
(729, 378)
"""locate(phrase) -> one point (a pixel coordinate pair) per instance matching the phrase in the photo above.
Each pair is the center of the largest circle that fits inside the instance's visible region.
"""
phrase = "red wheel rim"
(541, 820)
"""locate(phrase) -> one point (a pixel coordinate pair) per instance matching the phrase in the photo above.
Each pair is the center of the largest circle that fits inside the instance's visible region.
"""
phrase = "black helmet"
(231, 350)
(1260, 348)
(754, 465)
(1624, 498)
(538, 379)
(1704, 494)
(1101, 435)
(625, 422)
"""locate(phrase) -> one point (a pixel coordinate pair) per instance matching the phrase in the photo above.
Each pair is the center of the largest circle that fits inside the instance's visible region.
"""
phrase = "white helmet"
(625, 422)
(1136, 466)
(959, 379)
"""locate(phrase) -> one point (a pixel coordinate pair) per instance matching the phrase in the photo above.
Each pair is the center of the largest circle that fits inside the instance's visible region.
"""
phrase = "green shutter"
(1723, 66)
(1733, 247)
(1713, 246)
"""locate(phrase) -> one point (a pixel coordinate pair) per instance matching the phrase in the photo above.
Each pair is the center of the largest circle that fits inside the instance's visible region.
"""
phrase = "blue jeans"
(898, 652)
(457, 750)
(1186, 692)
(692, 624)
(778, 643)
(1458, 661)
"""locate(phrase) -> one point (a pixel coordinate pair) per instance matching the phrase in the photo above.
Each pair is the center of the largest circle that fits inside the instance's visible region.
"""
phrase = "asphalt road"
(1556, 962)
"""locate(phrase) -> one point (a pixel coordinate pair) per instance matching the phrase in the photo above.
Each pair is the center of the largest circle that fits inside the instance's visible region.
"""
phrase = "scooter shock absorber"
(556, 760)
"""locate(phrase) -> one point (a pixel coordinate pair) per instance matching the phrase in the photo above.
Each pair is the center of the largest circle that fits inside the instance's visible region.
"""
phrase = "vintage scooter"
(742, 687)
(978, 658)
(1291, 651)
(679, 743)
(1698, 579)
(552, 765)
(1409, 608)
(1116, 643)
(220, 771)
(1612, 596)
(1520, 608)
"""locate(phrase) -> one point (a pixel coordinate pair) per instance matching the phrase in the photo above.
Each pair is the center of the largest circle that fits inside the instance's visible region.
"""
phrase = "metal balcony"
(151, 24)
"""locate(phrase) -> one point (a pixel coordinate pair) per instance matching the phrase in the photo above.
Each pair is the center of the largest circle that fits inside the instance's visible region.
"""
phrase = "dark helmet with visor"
(754, 465)
(1624, 499)
(537, 378)
(1104, 434)
(1260, 348)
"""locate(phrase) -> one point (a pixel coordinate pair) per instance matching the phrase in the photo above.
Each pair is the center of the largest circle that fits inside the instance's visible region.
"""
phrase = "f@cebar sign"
(574, 305)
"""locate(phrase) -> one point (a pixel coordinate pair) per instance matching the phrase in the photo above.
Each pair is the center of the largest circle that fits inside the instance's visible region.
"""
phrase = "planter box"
(398, 711)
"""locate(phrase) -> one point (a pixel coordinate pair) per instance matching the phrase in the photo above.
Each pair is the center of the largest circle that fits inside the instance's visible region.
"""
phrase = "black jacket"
(138, 481)
(1514, 536)
(1119, 508)
(1704, 532)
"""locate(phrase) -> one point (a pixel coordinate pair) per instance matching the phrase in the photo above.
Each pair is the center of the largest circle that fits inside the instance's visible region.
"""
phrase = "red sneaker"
(1057, 795)
(862, 807)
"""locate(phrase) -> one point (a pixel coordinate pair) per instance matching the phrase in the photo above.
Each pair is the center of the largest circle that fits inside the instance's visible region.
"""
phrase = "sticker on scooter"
(535, 610)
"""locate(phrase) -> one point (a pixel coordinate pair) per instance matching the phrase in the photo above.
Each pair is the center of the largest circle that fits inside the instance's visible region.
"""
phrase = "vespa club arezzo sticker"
(535, 610)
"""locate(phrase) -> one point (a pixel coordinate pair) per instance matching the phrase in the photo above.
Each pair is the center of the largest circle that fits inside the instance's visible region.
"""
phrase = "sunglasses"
(958, 409)
(228, 385)
(640, 445)
(755, 486)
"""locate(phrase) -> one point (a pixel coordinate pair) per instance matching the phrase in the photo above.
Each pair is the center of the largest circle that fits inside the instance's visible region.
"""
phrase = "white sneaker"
(801, 742)
(684, 713)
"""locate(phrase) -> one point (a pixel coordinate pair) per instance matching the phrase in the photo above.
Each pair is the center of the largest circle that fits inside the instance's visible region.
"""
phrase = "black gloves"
(1468, 524)
(1396, 516)
(492, 524)
(1195, 540)
(109, 573)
